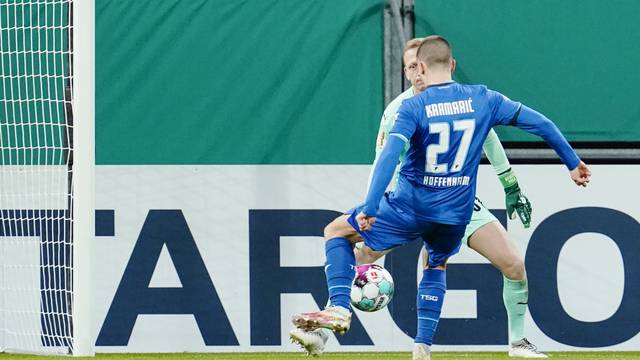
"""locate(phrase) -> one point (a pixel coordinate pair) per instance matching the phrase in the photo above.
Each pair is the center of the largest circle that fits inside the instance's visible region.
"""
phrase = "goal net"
(36, 177)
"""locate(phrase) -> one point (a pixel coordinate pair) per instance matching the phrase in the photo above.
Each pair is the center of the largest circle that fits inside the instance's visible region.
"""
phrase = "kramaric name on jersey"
(449, 108)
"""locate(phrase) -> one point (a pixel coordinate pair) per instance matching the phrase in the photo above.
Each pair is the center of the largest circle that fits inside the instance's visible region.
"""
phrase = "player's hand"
(518, 203)
(365, 221)
(581, 175)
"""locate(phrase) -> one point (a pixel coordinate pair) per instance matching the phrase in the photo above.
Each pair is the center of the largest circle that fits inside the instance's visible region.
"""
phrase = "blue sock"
(429, 304)
(340, 271)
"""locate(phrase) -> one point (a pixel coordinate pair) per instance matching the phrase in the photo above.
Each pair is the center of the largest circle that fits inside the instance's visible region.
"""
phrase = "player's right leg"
(313, 342)
(340, 234)
(339, 270)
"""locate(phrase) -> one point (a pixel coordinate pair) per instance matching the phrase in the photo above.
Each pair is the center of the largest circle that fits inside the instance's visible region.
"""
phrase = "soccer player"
(484, 233)
(445, 126)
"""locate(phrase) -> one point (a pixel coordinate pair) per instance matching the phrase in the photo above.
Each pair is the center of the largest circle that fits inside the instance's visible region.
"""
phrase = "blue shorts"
(395, 227)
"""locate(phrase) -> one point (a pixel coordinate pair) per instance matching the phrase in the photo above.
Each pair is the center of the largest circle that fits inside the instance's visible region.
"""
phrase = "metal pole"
(398, 28)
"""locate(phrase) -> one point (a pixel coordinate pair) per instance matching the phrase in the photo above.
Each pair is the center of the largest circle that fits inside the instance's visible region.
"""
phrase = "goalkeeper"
(484, 234)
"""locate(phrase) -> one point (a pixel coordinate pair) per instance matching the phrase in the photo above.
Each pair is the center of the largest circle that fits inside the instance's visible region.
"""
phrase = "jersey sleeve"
(382, 174)
(383, 133)
(535, 123)
(504, 110)
(495, 153)
(386, 124)
(406, 122)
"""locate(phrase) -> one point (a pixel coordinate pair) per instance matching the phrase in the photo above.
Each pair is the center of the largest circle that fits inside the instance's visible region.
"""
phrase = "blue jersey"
(446, 126)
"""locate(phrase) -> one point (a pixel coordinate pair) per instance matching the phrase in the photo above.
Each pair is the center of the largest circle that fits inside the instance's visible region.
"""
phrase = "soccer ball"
(372, 288)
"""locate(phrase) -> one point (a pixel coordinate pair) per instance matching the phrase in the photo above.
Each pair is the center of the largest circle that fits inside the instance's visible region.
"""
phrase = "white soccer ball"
(372, 288)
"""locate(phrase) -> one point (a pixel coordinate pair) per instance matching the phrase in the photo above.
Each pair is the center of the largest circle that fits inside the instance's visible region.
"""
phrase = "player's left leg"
(442, 241)
(491, 241)
(430, 298)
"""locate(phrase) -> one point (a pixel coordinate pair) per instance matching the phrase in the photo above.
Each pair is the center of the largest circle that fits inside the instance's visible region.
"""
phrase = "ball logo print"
(372, 288)
(373, 276)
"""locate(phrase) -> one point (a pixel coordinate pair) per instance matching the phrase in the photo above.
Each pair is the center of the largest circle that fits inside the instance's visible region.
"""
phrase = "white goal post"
(47, 166)
(83, 174)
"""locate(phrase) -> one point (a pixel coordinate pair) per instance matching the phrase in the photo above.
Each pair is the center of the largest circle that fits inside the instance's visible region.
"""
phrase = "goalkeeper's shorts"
(480, 217)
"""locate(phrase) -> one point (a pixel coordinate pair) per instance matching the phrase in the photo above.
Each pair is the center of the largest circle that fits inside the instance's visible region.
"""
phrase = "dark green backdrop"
(237, 82)
(574, 60)
(300, 82)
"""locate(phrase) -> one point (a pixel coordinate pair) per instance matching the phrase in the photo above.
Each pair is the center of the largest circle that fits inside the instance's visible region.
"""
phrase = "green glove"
(516, 201)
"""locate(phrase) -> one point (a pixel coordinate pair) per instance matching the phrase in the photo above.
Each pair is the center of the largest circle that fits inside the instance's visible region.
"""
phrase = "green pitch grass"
(336, 356)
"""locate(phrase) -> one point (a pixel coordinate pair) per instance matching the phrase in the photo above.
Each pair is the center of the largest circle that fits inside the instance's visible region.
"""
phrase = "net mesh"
(35, 176)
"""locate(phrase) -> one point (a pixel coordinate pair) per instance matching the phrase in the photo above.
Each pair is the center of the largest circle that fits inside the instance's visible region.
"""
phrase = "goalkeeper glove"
(515, 200)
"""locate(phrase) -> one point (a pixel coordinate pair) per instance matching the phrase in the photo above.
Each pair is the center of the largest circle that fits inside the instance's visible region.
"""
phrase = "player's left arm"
(535, 123)
(515, 200)
(507, 112)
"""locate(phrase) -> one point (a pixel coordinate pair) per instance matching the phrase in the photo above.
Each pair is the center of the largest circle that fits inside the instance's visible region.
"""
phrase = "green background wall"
(238, 82)
(300, 82)
(574, 60)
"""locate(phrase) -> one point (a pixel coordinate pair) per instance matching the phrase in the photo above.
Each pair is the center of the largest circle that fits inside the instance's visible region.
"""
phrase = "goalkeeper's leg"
(365, 255)
(491, 241)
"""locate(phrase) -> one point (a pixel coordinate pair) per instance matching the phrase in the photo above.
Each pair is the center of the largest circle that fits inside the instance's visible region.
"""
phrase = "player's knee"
(328, 231)
(337, 228)
(514, 269)
(331, 230)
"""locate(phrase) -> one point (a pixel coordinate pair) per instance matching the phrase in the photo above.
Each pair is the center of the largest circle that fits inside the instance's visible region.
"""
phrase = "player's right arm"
(383, 133)
(507, 112)
(382, 174)
(386, 123)
(403, 129)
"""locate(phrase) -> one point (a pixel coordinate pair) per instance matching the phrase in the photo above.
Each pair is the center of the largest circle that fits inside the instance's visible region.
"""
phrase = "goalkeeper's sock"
(340, 270)
(429, 304)
(515, 294)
